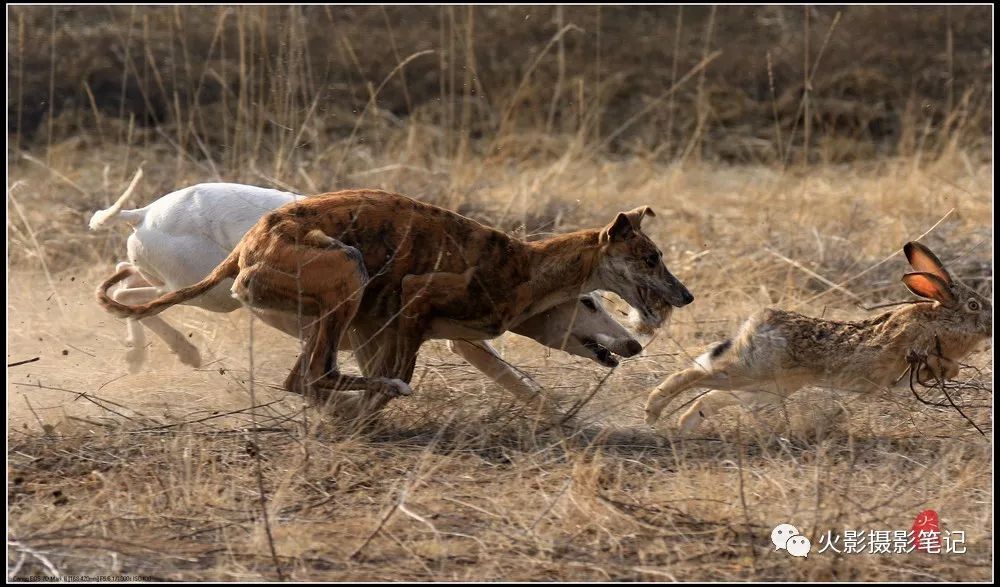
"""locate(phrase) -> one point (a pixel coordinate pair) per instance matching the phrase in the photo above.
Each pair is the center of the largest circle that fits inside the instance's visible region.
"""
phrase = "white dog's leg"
(135, 340)
(481, 355)
(178, 343)
(135, 335)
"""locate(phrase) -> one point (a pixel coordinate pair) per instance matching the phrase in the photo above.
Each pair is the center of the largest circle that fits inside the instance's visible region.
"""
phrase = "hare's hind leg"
(731, 378)
(710, 370)
(710, 403)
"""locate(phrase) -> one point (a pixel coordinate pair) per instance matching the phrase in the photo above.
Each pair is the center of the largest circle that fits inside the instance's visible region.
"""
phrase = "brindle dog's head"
(631, 266)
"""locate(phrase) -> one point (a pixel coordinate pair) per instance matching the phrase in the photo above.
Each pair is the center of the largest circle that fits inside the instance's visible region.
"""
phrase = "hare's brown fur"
(777, 352)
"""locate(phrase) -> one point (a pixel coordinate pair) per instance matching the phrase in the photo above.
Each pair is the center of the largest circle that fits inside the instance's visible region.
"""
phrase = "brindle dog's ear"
(620, 229)
(636, 215)
(922, 259)
(626, 224)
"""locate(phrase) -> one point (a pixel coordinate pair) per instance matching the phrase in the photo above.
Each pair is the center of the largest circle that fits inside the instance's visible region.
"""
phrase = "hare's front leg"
(937, 367)
(665, 392)
(709, 404)
(730, 378)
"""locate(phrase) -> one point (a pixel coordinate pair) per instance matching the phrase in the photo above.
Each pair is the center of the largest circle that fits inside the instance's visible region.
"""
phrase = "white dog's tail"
(115, 213)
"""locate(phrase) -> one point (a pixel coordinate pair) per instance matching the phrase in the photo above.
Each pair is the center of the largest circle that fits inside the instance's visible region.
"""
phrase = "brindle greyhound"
(182, 236)
(401, 272)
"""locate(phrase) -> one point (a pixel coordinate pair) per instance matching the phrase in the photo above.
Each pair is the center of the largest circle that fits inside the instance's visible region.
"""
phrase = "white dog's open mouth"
(601, 353)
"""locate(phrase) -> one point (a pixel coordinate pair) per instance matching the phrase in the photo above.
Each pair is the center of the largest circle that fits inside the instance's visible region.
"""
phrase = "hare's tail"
(707, 360)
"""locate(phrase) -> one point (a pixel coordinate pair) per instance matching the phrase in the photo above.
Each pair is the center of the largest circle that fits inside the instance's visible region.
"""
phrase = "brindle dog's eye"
(973, 305)
(589, 304)
(652, 260)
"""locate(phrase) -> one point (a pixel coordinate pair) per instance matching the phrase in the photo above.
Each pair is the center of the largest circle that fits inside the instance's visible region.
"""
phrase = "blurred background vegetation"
(533, 118)
(735, 84)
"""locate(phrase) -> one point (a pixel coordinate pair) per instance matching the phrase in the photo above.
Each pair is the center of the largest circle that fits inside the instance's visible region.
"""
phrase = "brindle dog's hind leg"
(324, 281)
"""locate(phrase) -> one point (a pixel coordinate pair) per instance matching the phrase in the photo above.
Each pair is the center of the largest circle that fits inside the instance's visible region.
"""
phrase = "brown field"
(168, 473)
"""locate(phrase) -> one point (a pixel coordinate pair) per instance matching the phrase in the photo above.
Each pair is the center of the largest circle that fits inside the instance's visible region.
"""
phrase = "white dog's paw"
(135, 357)
(396, 387)
(189, 355)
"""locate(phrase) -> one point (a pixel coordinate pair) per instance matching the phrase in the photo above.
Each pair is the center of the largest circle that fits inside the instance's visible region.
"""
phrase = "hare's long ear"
(922, 259)
(930, 286)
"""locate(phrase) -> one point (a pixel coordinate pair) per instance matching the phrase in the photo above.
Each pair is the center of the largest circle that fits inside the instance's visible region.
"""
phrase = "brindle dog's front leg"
(440, 305)
(389, 351)
(376, 349)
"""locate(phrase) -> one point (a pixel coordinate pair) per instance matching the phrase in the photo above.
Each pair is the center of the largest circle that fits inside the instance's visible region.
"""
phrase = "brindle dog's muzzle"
(656, 306)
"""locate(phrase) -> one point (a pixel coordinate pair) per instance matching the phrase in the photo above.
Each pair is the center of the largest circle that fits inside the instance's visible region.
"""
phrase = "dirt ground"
(159, 473)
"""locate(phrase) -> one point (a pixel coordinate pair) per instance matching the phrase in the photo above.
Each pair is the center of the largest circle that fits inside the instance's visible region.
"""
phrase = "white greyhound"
(181, 237)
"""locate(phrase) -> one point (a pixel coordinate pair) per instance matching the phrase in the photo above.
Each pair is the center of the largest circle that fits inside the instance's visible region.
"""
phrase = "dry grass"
(471, 487)
(156, 473)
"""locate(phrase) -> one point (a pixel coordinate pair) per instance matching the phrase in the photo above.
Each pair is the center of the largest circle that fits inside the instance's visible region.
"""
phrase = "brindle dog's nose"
(687, 297)
(633, 347)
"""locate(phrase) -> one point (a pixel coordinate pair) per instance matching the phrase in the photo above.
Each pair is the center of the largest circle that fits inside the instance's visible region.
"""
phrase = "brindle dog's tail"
(228, 268)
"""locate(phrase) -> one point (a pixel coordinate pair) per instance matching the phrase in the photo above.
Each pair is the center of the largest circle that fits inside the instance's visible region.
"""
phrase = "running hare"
(776, 352)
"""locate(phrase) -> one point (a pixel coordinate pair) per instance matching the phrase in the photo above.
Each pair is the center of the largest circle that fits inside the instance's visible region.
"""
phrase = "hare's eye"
(589, 304)
(973, 305)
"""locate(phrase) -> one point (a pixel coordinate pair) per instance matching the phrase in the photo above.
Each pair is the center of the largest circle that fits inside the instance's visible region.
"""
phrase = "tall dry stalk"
(678, 29)
(561, 72)
(806, 90)
(702, 106)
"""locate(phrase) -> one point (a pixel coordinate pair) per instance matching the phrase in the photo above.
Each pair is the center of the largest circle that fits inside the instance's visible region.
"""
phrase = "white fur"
(704, 361)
